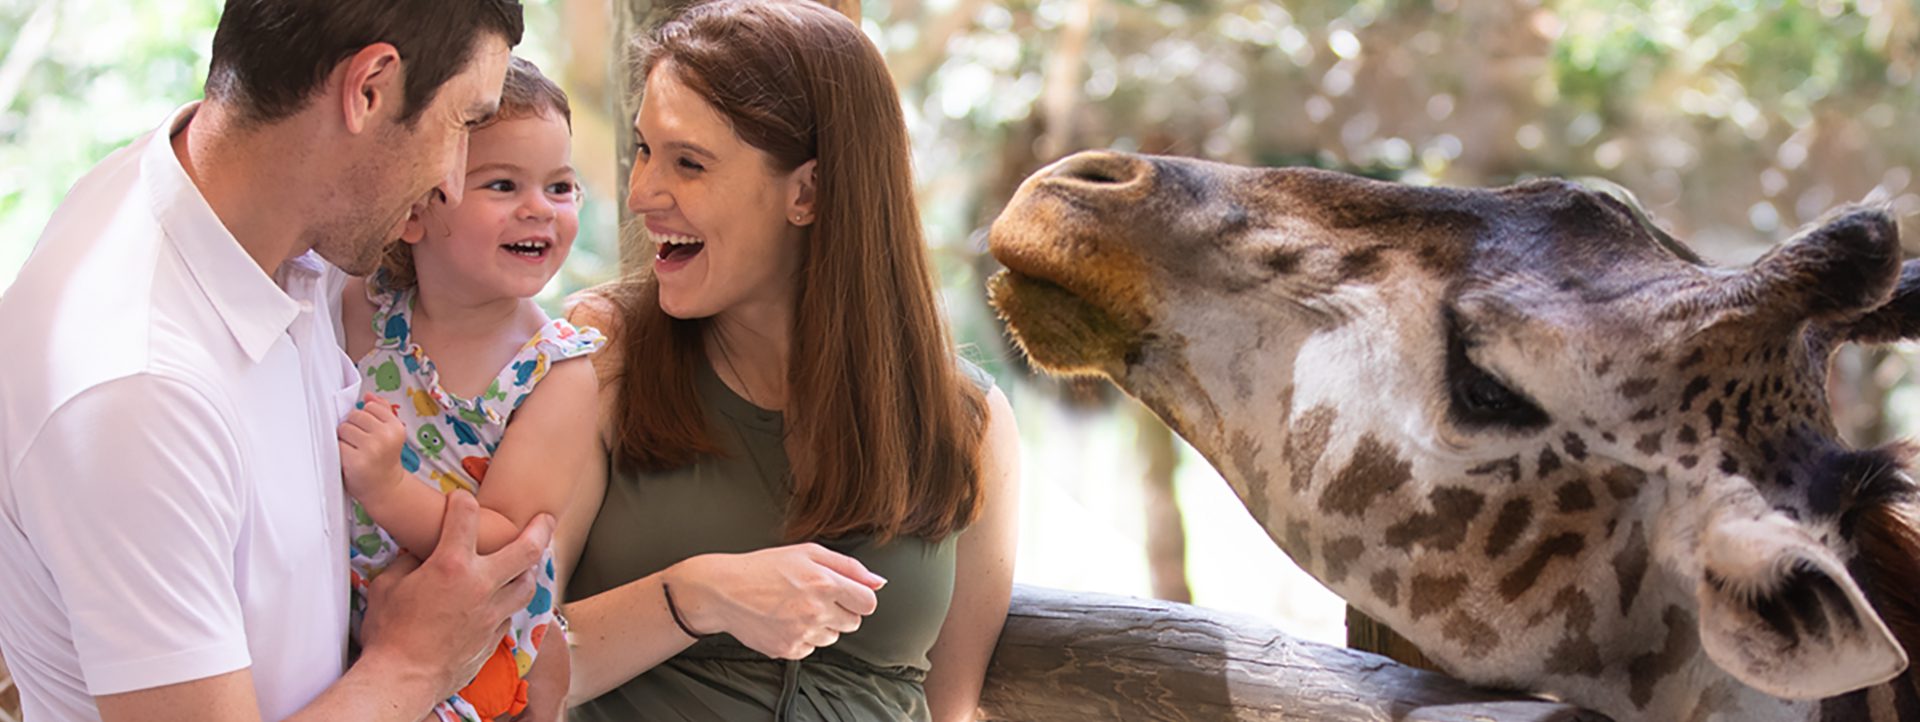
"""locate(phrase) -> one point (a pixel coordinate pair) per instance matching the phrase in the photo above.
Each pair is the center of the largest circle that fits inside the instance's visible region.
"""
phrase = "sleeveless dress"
(450, 442)
(735, 503)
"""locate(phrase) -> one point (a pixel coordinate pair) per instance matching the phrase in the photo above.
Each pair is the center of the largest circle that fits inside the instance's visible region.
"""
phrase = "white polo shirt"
(170, 494)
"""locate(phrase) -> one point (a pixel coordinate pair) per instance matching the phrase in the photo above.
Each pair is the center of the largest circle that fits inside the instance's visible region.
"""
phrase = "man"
(172, 529)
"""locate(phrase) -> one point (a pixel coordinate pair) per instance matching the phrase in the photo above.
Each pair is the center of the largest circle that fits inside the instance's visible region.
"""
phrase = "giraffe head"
(1523, 427)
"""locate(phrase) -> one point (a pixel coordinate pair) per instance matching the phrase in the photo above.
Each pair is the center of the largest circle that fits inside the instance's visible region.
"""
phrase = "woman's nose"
(644, 195)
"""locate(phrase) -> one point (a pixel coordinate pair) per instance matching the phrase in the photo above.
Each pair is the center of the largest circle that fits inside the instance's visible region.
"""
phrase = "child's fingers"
(354, 437)
(361, 419)
(381, 410)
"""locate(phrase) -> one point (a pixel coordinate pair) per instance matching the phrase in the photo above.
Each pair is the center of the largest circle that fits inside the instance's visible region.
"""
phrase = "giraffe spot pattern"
(1339, 555)
(1245, 452)
(1636, 388)
(1623, 481)
(1375, 470)
(1575, 653)
(1630, 566)
(1514, 517)
(1386, 587)
(1574, 496)
(1298, 546)
(1443, 528)
(1428, 594)
(1523, 577)
(1646, 670)
(1477, 637)
(1306, 441)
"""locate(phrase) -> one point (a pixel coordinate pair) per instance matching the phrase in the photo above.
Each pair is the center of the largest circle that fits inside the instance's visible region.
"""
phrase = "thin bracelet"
(674, 610)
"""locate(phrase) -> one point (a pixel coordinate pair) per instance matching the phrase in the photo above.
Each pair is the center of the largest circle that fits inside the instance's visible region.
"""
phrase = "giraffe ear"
(1895, 320)
(1833, 273)
(1780, 613)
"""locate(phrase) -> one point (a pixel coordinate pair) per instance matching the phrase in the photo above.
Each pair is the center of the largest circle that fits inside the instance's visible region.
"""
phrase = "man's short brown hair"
(270, 56)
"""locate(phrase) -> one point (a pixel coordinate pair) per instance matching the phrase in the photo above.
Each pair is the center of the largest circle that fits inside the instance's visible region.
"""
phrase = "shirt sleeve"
(130, 497)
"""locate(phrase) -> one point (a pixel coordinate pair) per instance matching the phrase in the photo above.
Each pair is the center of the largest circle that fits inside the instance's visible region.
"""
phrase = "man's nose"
(450, 185)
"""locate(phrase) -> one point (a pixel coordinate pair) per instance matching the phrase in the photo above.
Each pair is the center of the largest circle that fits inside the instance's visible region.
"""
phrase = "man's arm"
(428, 629)
(131, 498)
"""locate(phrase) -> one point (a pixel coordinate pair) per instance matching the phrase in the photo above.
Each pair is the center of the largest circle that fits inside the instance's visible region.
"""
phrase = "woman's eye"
(503, 186)
(645, 152)
(689, 164)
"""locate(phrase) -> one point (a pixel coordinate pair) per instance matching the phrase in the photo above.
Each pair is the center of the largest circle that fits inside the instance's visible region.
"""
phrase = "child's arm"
(547, 679)
(548, 442)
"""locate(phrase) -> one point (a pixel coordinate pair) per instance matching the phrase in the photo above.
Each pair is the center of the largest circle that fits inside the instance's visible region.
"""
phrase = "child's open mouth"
(676, 249)
(532, 248)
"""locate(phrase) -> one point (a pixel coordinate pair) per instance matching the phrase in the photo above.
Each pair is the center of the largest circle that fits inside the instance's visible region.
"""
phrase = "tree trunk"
(1166, 532)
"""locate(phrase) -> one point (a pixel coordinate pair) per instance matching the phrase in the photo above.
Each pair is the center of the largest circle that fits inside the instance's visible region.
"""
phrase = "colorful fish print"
(476, 467)
(396, 329)
(430, 439)
(463, 432)
(386, 377)
(423, 403)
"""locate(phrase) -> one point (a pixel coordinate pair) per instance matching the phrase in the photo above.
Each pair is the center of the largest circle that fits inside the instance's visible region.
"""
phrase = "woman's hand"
(783, 602)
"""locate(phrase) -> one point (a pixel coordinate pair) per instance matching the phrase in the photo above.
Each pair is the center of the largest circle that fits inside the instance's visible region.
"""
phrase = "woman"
(783, 377)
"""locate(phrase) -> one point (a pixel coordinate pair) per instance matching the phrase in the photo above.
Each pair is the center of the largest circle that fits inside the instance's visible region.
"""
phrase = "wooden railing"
(1073, 656)
(1082, 656)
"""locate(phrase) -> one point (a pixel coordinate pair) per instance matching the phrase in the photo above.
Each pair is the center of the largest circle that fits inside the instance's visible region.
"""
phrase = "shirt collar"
(255, 308)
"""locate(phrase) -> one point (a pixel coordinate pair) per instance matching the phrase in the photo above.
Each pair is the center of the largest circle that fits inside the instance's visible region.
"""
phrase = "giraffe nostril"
(1102, 168)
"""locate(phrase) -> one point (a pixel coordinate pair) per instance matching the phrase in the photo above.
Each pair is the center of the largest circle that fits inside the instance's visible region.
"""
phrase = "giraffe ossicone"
(1528, 430)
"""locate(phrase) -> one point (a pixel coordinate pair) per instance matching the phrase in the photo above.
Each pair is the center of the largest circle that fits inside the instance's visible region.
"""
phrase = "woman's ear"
(801, 191)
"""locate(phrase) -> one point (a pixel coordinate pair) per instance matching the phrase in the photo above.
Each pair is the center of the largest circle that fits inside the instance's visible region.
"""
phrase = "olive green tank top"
(735, 503)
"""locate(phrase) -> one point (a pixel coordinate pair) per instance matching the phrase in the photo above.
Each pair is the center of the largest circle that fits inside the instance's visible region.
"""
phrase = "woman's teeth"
(674, 239)
(676, 246)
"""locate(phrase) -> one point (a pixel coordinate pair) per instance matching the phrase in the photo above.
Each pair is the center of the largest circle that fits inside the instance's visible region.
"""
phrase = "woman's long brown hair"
(884, 433)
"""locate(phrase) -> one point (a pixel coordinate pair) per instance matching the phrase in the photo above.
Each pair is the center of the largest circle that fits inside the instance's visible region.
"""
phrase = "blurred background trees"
(1735, 122)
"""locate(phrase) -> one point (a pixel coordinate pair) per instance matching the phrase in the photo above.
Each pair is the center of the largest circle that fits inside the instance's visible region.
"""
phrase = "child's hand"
(370, 443)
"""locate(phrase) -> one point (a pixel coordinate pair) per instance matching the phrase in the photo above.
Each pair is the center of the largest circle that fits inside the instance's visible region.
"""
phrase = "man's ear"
(1780, 613)
(802, 189)
(370, 84)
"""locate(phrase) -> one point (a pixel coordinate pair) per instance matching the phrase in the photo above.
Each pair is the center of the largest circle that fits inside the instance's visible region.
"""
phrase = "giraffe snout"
(1104, 180)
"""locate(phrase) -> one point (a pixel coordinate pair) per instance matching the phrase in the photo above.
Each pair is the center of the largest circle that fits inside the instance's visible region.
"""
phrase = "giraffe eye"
(1478, 400)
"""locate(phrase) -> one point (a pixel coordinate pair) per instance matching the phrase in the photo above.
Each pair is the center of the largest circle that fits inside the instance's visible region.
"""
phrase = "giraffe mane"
(1882, 519)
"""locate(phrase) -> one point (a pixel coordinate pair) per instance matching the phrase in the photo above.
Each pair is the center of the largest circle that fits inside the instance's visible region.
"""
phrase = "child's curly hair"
(527, 93)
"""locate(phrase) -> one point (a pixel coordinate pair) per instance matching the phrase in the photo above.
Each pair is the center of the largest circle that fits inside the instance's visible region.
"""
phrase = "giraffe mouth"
(1075, 294)
(1061, 332)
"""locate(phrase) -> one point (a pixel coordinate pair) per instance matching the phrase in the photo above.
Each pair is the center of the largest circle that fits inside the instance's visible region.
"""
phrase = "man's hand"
(443, 617)
(370, 443)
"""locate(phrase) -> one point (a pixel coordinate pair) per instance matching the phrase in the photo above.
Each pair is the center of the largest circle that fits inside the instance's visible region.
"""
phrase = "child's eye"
(502, 185)
(564, 188)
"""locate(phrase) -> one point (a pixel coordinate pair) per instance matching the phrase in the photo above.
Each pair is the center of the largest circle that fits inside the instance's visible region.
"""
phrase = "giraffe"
(1524, 428)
